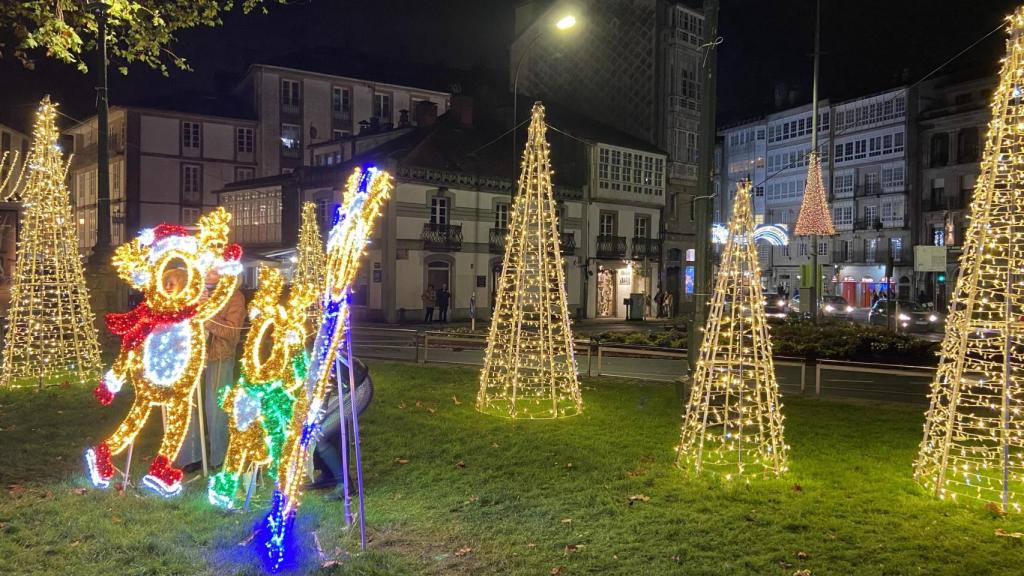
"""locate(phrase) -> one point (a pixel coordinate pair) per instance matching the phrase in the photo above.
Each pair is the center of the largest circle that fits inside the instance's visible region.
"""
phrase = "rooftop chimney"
(462, 109)
(425, 113)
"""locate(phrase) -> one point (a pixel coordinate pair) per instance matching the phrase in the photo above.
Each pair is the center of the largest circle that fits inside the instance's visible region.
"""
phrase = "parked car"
(835, 307)
(910, 316)
(776, 306)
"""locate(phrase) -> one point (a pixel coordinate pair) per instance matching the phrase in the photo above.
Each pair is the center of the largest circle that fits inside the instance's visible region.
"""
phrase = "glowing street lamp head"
(566, 22)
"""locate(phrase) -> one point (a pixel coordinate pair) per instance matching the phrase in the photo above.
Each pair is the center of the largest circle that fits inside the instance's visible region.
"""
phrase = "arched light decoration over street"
(773, 234)
(566, 22)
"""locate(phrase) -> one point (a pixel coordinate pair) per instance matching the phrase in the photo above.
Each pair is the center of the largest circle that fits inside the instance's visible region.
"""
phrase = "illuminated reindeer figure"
(163, 340)
(261, 403)
(364, 198)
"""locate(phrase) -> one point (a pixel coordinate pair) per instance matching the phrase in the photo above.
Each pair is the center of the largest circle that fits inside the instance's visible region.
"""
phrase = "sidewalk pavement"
(580, 327)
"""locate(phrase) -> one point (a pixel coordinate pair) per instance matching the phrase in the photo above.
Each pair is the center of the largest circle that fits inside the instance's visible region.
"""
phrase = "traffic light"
(941, 277)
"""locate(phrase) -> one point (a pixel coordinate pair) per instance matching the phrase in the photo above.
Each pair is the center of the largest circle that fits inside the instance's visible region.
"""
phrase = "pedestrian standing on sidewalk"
(429, 297)
(443, 299)
(659, 299)
(225, 330)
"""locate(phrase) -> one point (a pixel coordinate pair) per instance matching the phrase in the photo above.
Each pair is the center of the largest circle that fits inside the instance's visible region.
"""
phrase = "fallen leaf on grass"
(566, 520)
(456, 400)
(568, 465)
(401, 405)
(460, 464)
(431, 410)
(247, 539)
(1004, 534)
(419, 404)
(783, 564)
(531, 545)
(79, 491)
(463, 551)
(15, 489)
(572, 548)
(401, 461)
(798, 488)
(804, 572)
(676, 559)
(75, 543)
(494, 445)
(802, 555)
(558, 570)
(635, 472)
(995, 509)
(638, 498)
(115, 520)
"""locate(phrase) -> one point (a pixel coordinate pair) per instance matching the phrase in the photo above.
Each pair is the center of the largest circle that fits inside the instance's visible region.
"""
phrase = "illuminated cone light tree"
(529, 367)
(972, 444)
(50, 332)
(733, 421)
(311, 265)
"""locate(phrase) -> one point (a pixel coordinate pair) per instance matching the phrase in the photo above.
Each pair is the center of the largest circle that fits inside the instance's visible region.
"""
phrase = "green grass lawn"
(452, 491)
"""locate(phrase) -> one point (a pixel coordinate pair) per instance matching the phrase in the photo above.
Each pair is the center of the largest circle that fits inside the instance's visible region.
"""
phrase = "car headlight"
(933, 318)
(904, 318)
(849, 309)
(829, 308)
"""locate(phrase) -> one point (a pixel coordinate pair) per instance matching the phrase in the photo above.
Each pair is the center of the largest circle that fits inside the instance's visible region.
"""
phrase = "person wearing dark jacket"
(443, 299)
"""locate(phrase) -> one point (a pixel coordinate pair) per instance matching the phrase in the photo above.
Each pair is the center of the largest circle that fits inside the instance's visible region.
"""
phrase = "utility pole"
(102, 250)
(705, 187)
(815, 272)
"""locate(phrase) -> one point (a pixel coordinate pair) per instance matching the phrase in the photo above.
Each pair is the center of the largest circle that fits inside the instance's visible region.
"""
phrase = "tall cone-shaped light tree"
(50, 331)
(733, 420)
(311, 267)
(973, 446)
(815, 218)
(529, 366)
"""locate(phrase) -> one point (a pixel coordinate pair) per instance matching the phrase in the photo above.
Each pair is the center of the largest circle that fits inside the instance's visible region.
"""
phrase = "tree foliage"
(137, 30)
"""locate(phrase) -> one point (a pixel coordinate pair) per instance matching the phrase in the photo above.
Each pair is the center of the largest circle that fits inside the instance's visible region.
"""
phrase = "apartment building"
(297, 109)
(952, 121)
(12, 142)
(634, 65)
(447, 219)
(164, 167)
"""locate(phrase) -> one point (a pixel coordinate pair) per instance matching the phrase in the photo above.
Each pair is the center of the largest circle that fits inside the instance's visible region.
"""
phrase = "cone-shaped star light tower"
(815, 218)
(311, 265)
(733, 421)
(50, 331)
(972, 444)
(529, 367)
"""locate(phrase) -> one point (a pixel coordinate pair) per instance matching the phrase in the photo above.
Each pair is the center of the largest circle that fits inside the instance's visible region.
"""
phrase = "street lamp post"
(101, 250)
(564, 23)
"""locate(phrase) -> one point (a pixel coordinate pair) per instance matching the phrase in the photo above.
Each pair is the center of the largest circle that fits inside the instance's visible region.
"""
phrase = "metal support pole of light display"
(338, 367)
(1004, 414)
(355, 424)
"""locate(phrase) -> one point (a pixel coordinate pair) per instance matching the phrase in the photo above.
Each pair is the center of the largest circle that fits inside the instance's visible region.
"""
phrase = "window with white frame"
(192, 184)
(255, 216)
(190, 135)
(892, 177)
(822, 247)
(607, 224)
(843, 215)
(339, 134)
(290, 95)
(116, 190)
(189, 215)
(803, 248)
(341, 99)
(892, 211)
(641, 226)
(501, 216)
(244, 173)
(321, 212)
(243, 140)
(439, 210)
(843, 184)
(871, 214)
(382, 106)
(291, 138)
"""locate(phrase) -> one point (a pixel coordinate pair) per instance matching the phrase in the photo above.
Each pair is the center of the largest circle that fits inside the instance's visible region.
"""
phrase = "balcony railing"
(944, 203)
(442, 236)
(497, 238)
(646, 248)
(611, 246)
(568, 240)
(867, 224)
(900, 257)
(840, 256)
(874, 189)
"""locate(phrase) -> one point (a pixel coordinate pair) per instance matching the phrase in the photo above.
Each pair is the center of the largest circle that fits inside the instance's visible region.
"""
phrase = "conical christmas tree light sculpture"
(973, 446)
(50, 331)
(733, 421)
(529, 367)
(815, 218)
(311, 267)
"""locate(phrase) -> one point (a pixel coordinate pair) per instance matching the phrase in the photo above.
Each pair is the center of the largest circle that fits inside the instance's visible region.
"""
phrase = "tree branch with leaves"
(137, 30)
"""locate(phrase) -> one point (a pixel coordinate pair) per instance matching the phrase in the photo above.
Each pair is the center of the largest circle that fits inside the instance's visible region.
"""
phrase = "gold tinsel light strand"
(973, 445)
(50, 331)
(733, 420)
(529, 366)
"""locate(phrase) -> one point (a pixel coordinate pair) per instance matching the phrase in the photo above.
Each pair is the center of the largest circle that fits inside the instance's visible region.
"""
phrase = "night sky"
(868, 45)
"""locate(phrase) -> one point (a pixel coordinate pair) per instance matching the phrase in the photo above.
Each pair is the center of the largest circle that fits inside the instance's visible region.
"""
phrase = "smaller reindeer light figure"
(163, 340)
(260, 404)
